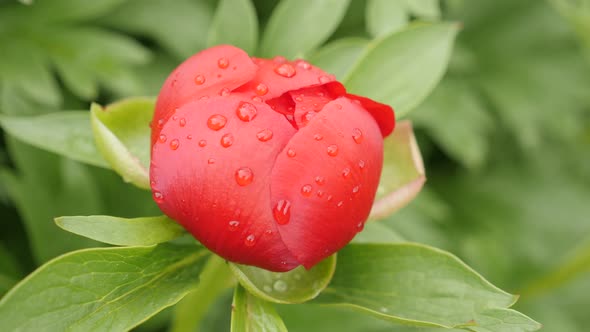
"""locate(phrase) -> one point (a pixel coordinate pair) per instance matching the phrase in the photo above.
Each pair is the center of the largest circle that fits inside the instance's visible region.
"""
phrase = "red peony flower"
(266, 162)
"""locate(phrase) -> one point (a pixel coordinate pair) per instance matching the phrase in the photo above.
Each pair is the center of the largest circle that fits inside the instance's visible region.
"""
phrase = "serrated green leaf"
(403, 172)
(385, 16)
(234, 23)
(65, 133)
(296, 286)
(338, 56)
(102, 289)
(419, 285)
(404, 67)
(250, 314)
(122, 135)
(122, 231)
(310, 23)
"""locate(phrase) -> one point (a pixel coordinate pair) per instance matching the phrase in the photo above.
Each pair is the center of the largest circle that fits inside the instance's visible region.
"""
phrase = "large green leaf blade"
(65, 133)
(235, 23)
(296, 286)
(123, 231)
(402, 68)
(385, 16)
(251, 313)
(122, 133)
(104, 289)
(298, 26)
(418, 285)
(338, 57)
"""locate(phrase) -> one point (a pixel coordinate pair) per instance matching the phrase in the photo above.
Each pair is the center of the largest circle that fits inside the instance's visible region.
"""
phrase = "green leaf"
(377, 232)
(422, 286)
(251, 313)
(310, 23)
(428, 9)
(234, 23)
(215, 278)
(402, 68)
(296, 286)
(110, 289)
(338, 56)
(121, 231)
(122, 134)
(385, 16)
(65, 133)
(403, 173)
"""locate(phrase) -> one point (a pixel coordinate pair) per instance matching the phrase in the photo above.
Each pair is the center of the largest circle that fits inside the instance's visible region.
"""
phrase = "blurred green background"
(505, 137)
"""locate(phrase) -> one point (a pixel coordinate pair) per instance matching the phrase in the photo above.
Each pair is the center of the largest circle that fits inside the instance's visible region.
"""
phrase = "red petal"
(382, 113)
(277, 82)
(204, 74)
(330, 192)
(221, 194)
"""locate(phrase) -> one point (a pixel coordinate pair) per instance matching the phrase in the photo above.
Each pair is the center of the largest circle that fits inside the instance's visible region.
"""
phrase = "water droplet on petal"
(355, 190)
(158, 197)
(361, 164)
(250, 240)
(305, 118)
(233, 225)
(216, 122)
(160, 123)
(182, 122)
(227, 140)
(211, 161)
(303, 64)
(291, 153)
(244, 176)
(279, 59)
(264, 135)
(306, 190)
(320, 193)
(268, 232)
(332, 150)
(330, 197)
(261, 89)
(199, 79)
(280, 286)
(286, 70)
(162, 138)
(224, 92)
(340, 204)
(189, 136)
(174, 144)
(357, 135)
(257, 99)
(318, 137)
(346, 172)
(282, 212)
(175, 117)
(223, 63)
(320, 180)
(202, 143)
(246, 111)
(324, 79)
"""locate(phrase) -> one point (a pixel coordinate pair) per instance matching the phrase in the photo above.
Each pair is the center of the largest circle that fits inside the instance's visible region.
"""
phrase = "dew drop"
(158, 197)
(357, 135)
(318, 137)
(282, 212)
(268, 232)
(303, 64)
(233, 225)
(257, 99)
(227, 140)
(346, 172)
(305, 118)
(199, 79)
(320, 180)
(160, 123)
(361, 164)
(330, 197)
(306, 190)
(250, 240)
(299, 98)
(332, 150)
(261, 89)
(223, 63)
(189, 136)
(182, 122)
(175, 117)
(280, 286)
(162, 138)
(224, 92)
(320, 193)
(324, 79)
(264, 135)
(202, 143)
(244, 176)
(355, 190)
(279, 59)
(340, 204)
(211, 161)
(291, 153)
(216, 122)
(246, 111)
(286, 70)
(360, 225)
(174, 144)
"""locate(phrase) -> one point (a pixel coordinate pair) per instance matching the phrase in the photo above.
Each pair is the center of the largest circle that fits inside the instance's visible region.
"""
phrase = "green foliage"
(251, 313)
